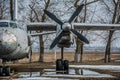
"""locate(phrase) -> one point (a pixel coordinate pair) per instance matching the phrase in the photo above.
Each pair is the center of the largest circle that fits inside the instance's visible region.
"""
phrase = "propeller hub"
(66, 26)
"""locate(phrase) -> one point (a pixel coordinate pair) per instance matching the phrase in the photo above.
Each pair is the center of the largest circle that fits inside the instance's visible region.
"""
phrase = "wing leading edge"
(41, 26)
(42, 33)
(85, 26)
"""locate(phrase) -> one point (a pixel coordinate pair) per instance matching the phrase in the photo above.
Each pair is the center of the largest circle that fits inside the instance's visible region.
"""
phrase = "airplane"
(14, 41)
(65, 32)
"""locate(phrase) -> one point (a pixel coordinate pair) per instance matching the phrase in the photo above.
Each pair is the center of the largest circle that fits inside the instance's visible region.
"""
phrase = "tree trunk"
(41, 58)
(79, 51)
(79, 44)
(30, 52)
(108, 46)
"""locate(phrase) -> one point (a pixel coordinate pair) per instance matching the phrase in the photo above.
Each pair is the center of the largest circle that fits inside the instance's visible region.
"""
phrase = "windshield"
(3, 24)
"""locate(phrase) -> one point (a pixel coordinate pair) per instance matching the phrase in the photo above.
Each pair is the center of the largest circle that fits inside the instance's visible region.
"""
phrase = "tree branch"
(114, 2)
(34, 12)
(92, 2)
(46, 6)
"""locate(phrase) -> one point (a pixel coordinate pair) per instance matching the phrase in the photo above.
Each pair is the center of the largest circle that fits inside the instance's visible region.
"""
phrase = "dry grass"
(87, 56)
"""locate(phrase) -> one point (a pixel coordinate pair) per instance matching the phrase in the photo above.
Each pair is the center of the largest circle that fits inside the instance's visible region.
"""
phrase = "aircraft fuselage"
(13, 41)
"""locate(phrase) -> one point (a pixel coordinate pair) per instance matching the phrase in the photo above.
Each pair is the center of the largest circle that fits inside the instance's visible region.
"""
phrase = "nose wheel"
(62, 66)
(4, 70)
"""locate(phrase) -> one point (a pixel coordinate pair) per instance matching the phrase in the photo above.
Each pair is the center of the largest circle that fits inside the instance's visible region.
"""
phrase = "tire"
(66, 67)
(59, 66)
(1, 71)
(7, 71)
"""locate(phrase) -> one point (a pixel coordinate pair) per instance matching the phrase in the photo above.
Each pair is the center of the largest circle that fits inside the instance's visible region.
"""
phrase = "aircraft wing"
(42, 33)
(44, 26)
(85, 26)
(41, 26)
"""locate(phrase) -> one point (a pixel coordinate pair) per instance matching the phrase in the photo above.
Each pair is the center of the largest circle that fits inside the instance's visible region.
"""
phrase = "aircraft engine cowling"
(8, 42)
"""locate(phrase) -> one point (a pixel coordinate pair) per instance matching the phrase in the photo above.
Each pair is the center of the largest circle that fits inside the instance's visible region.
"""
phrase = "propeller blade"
(56, 40)
(77, 11)
(53, 17)
(81, 37)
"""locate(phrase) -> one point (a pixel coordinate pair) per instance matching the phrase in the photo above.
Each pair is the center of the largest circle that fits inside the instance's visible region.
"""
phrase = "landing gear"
(1, 70)
(66, 67)
(62, 66)
(4, 70)
(59, 66)
(7, 71)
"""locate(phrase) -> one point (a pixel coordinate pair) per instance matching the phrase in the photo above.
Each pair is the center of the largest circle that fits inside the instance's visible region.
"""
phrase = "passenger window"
(13, 25)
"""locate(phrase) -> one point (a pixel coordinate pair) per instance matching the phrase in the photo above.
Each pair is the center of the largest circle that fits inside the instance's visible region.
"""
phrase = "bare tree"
(115, 19)
(83, 19)
(4, 9)
(41, 37)
(79, 44)
(42, 19)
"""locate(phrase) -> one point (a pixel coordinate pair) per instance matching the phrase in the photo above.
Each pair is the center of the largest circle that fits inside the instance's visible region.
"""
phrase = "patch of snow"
(29, 74)
(73, 74)
(80, 76)
(104, 67)
(43, 78)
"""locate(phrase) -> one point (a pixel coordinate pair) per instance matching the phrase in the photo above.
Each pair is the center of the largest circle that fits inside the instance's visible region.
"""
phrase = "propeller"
(57, 39)
(53, 17)
(81, 37)
(76, 13)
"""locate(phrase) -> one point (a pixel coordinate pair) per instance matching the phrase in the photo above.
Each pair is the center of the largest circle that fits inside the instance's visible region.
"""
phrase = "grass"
(89, 58)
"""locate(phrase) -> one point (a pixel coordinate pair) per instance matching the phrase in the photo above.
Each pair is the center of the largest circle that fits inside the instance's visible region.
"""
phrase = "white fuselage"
(13, 42)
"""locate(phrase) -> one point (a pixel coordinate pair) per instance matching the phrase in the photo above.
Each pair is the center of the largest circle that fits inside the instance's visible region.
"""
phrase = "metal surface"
(62, 51)
(8, 42)
(15, 10)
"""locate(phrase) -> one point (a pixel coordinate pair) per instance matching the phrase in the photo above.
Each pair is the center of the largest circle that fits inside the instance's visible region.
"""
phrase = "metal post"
(30, 55)
(15, 10)
(62, 50)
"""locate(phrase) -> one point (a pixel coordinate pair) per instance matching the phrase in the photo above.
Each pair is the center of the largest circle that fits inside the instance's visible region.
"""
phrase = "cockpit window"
(13, 25)
(3, 24)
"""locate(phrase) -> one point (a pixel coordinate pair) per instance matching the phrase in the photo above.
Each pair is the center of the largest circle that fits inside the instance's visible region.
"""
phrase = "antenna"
(15, 10)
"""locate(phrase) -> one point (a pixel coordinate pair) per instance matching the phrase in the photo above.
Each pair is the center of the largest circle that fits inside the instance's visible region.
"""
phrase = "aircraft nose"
(8, 42)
